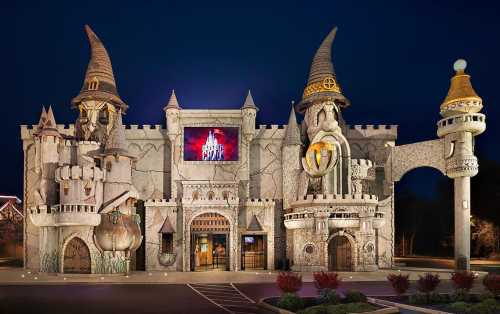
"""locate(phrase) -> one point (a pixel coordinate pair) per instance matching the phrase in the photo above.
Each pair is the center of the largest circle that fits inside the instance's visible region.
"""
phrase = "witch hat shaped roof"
(249, 103)
(172, 102)
(166, 227)
(322, 82)
(47, 125)
(99, 80)
(461, 97)
(292, 134)
(116, 143)
(254, 224)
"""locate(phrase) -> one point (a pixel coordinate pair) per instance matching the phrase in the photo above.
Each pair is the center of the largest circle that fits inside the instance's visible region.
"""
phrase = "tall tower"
(461, 122)
(290, 155)
(249, 113)
(98, 100)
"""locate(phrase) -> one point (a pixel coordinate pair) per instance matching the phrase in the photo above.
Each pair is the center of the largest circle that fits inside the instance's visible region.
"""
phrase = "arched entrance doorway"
(210, 242)
(76, 257)
(339, 254)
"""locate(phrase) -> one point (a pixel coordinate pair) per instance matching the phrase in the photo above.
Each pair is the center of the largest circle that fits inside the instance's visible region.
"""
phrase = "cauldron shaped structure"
(118, 232)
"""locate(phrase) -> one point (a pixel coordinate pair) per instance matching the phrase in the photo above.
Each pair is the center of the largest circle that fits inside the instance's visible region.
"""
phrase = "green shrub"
(436, 298)
(339, 308)
(418, 298)
(461, 295)
(291, 302)
(353, 296)
(488, 306)
(485, 296)
(328, 296)
(460, 307)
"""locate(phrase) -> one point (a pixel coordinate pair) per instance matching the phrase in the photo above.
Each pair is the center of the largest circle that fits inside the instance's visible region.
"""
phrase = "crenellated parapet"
(171, 202)
(369, 131)
(79, 173)
(268, 203)
(270, 132)
(335, 199)
(65, 215)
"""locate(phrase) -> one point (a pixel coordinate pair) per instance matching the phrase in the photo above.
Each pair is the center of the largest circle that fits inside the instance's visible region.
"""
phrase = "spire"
(172, 102)
(322, 80)
(47, 125)
(249, 103)
(117, 143)
(292, 134)
(461, 96)
(99, 80)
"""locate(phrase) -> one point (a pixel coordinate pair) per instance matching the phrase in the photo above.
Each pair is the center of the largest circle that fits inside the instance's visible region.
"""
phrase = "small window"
(65, 187)
(196, 195)
(225, 195)
(108, 166)
(167, 243)
(88, 188)
(93, 84)
(211, 195)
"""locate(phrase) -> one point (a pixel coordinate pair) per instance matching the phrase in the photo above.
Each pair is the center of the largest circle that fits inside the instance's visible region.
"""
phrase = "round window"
(309, 249)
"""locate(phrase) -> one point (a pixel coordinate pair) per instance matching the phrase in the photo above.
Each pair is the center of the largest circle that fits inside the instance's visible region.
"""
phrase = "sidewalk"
(24, 277)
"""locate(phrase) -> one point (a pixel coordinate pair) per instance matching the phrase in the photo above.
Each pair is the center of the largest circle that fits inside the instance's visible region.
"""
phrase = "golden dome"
(461, 96)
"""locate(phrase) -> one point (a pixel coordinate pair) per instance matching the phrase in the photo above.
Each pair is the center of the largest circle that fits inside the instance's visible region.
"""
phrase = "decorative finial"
(460, 65)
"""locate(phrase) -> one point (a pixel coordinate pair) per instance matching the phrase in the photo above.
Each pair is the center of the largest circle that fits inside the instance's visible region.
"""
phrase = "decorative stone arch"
(63, 250)
(352, 242)
(408, 157)
(233, 238)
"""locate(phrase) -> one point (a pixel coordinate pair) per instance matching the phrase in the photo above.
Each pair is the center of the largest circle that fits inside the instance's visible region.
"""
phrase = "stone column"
(462, 223)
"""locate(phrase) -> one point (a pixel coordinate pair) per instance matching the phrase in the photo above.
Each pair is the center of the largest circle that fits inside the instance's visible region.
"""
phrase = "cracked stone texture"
(155, 217)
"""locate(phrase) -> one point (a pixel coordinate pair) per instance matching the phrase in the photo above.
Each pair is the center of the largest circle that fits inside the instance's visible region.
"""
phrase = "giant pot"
(118, 232)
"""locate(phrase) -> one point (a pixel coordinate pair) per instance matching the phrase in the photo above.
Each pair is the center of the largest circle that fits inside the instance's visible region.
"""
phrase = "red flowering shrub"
(428, 283)
(289, 282)
(492, 283)
(326, 280)
(463, 280)
(400, 283)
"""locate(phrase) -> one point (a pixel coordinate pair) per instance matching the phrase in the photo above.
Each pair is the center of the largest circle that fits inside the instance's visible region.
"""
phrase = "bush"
(328, 296)
(461, 295)
(353, 296)
(418, 299)
(492, 283)
(291, 302)
(428, 283)
(489, 306)
(289, 282)
(400, 283)
(328, 280)
(463, 280)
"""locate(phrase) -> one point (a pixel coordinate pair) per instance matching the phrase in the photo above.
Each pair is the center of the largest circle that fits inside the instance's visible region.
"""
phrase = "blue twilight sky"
(393, 59)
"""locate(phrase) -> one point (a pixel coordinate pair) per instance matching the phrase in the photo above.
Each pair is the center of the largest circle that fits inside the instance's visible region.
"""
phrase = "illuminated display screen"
(210, 144)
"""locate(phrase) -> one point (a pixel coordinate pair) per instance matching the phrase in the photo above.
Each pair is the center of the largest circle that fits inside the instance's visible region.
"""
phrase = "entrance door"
(210, 242)
(77, 257)
(253, 252)
(339, 254)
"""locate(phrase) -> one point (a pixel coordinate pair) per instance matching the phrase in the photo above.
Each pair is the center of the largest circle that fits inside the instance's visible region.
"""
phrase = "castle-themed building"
(213, 191)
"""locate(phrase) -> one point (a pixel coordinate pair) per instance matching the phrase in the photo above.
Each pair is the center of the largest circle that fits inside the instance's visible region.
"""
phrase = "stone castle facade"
(107, 198)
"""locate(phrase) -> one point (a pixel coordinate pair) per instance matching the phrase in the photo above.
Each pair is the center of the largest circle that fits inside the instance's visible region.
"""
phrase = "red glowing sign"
(210, 143)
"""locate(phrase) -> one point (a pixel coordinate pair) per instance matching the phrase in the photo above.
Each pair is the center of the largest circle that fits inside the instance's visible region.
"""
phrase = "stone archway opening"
(210, 243)
(340, 254)
(76, 257)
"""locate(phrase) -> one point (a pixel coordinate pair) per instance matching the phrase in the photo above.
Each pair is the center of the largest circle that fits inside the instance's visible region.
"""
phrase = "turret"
(47, 139)
(98, 100)
(290, 154)
(172, 114)
(249, 111)
(461, 122)
(117, 162)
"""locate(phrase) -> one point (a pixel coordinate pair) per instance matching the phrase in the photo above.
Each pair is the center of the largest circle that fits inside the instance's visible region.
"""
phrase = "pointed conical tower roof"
(292, 134)
(166, 227)
(462, 97)
(254, 224)
(322, 82)
(47, 125)
(172, 102)
(249, 103)
(117, 143)
(99, 80)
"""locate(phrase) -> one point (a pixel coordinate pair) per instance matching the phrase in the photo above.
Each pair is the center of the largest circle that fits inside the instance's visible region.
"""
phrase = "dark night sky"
(393, 59)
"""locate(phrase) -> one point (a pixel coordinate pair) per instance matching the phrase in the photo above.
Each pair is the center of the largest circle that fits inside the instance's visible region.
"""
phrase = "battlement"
(145, 132)
(259, 202)
(171, 202)
(362, 162)
(144, 127)
(370, 131)
(65, 215)
(335, 199)
(79, 173)
(273, 131)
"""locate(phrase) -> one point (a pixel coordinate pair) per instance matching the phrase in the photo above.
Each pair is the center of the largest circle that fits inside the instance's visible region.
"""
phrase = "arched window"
(210, 195)
(93, 84)
(196, 195)
(225, 195)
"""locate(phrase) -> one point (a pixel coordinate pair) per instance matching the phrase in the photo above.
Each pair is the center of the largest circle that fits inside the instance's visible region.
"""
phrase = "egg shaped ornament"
(118, 232)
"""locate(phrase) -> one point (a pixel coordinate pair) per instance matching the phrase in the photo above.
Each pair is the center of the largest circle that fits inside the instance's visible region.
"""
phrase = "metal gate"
(77, 257)
(339, 254)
